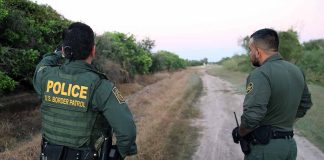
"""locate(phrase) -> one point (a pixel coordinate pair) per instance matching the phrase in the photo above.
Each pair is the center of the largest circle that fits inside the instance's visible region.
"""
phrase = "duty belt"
(282, 135)
(275, 135)
(58, 152)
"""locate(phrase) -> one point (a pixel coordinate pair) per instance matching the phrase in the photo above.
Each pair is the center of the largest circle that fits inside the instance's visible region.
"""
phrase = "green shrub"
(313, 66)
(290, 47)
(19, 63)
(143, 62)
(133, 56)
(195, 63)
(237, 63)
(313, 45)
(3, 11)
(165, 60)
(6, 83)
(231, 64)
(27, 30)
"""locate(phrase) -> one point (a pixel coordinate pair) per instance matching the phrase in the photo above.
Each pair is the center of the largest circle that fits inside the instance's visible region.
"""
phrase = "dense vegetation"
(204, 61)
(308, 55)
(29, 30)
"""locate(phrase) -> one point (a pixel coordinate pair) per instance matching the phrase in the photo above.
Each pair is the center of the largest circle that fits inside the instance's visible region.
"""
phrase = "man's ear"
(62, 51)
(93, 51)
(258, 52)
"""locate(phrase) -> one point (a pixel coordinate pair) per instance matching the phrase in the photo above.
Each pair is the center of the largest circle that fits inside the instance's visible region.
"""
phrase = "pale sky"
(195, 29)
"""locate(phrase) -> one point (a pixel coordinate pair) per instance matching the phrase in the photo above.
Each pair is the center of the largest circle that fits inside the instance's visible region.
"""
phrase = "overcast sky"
(195, 29)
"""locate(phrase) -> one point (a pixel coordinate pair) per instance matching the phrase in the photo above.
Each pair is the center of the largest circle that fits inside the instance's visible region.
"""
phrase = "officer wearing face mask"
(276, 96)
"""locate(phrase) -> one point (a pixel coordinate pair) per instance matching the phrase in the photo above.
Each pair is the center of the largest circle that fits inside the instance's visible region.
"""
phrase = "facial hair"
(255, 61)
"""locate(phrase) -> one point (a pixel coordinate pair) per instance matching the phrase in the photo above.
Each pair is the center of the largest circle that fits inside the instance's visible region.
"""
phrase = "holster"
(261, 135)
(109, 151)
(114, 153)
(245, 146)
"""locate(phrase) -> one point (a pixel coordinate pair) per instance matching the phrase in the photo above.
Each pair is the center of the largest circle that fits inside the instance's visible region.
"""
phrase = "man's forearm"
(52, 59)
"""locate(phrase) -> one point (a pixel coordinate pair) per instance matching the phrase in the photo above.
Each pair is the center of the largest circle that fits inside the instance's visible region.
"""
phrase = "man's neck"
(267, 56)
(88, 60)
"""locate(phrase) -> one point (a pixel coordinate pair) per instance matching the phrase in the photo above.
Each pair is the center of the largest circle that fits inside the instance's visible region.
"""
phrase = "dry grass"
(24, 151)
(162, 113)
(140, 81)
(17, 135)
(183, 137)
(152, 78)
(15, 127)
(157, 109)
(129, 88)
(311, 126)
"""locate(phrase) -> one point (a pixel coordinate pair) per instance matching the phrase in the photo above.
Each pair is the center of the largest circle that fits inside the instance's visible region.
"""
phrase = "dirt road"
(217, 104)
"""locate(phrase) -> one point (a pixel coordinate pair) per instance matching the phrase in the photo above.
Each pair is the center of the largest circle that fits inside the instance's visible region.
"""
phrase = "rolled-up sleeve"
(257, 96)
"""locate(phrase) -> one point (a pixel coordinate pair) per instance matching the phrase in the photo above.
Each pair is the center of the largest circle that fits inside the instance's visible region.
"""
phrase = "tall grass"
(312, 125)
(238, 79)
(26, 150)
(162, 112)
(19, 135)
(16, 127)
(183, 136)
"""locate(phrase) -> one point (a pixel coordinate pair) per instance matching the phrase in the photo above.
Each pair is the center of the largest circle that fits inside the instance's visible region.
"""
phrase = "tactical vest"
(67, 117)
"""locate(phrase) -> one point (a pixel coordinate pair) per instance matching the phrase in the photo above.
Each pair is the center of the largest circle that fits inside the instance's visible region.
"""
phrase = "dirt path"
(217, 104)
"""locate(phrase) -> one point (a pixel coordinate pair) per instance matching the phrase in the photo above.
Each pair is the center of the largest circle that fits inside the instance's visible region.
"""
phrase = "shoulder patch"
(249, 88)
(118, 95)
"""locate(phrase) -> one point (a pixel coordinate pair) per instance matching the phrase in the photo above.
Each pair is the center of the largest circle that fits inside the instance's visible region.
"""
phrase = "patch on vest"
(249, 87)
(118, 95)
(66, 94)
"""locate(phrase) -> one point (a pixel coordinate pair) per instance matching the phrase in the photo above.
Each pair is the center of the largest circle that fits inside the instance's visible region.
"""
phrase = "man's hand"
(235, 134)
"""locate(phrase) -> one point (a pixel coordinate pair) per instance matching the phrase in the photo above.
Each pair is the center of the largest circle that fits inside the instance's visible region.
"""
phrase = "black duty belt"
(58, 152)
(255, 140)
(282, 135)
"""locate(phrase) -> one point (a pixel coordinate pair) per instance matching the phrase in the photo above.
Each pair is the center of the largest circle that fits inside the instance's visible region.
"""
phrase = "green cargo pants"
(277, 149)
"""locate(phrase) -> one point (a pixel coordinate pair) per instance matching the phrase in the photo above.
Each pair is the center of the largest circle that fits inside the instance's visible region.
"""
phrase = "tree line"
(309, 56)
(28, 31)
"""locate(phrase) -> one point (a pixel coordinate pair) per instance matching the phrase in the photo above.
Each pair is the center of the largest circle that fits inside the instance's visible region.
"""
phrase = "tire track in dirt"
(217, 105)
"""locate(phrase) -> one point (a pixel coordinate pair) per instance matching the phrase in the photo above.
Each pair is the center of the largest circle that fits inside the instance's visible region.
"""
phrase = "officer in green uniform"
(79, 106)
(276, 96)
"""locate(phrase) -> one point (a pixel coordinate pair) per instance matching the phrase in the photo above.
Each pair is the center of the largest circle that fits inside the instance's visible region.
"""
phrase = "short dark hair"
(268, 38)
(78, 40)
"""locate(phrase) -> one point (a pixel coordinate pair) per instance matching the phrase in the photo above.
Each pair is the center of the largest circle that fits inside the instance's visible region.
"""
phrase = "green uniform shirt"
(276, 95)
(106, 99)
